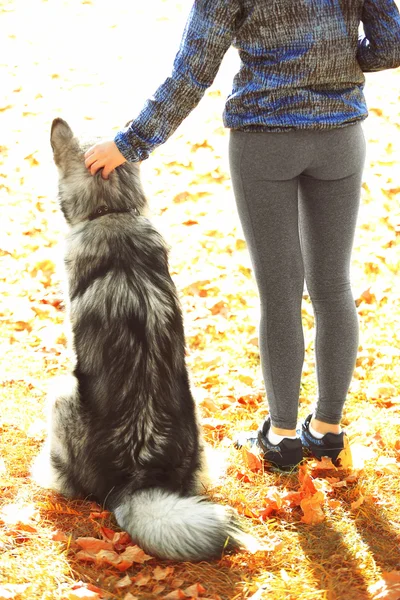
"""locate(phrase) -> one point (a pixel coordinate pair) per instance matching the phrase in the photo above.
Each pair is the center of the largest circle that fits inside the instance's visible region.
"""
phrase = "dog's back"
(126, 432)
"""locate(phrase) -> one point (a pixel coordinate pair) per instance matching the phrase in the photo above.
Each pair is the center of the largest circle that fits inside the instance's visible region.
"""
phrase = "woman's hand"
(104, 156)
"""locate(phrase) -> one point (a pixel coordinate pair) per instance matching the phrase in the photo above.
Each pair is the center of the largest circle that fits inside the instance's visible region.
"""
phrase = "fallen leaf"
(307, 486)
(322, 485)
(324, 463)
(59, 536)
(292, 498)
(246, 379)
(243, 477)
(82, 594)
(124, 582)
(99, 515)
(107, 534)
(210, 405)
(93, 545)
(177, 582)
(129, 596)
(345, 457)
(135, 554)
(312, 509)
(176, 595)
(357, 503)
(141, 579)
(194, 590)
(158, 588)
(159, 574)
(252, 462)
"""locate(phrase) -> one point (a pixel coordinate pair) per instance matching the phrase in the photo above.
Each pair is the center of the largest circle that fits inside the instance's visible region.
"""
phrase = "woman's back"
(297, 55)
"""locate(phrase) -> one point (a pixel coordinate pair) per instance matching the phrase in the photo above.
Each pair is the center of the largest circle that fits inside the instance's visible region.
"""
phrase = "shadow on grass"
(332, 564)
(376, 530)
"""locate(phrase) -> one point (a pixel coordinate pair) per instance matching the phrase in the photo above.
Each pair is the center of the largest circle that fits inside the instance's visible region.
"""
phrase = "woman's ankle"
(283, 432)
(322, 427)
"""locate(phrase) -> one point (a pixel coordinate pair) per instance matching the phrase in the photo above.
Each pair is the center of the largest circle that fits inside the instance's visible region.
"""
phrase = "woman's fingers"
(104, 156)
(90, 160)
(96, 166)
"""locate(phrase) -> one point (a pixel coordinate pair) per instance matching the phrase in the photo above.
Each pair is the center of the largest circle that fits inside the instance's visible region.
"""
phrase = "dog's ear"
(66, 150)
(61, 133)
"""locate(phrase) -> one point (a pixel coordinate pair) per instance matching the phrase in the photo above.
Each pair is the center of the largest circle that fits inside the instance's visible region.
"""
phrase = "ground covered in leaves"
(326, 533)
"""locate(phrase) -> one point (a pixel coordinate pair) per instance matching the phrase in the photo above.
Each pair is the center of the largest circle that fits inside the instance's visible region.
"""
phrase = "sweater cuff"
(122, 142)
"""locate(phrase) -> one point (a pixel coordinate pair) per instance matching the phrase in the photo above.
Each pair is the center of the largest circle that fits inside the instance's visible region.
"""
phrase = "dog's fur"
(124, 429)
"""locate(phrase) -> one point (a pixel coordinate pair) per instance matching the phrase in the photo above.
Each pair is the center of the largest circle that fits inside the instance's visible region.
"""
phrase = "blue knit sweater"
(302, 66)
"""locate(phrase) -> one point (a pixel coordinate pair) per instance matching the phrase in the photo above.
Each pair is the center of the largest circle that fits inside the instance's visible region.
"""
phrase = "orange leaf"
(251, 461)
(85, 556)
(312, 509)
(59, 536)
(345, 458)
(141, 579)
(124, 582)
(246, 379)
(107, 534)
(273, 497)
(135, 554)
(158, 588)
(247, 511)
(243, 477)
(159, 574)
(307, 486)
(121, 540)
(108, 556)
(195, 590)
(324, 463)
(264, 513)
(82, 593)
(99, 515)
(176, 595)
(357, 503)
(292, 498)
(250, 399)
(209, 404)
(176, 583)
(93, 545)
(129, 596)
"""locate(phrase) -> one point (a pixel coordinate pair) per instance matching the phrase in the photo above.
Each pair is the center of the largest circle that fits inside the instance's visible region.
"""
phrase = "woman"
(297, 153)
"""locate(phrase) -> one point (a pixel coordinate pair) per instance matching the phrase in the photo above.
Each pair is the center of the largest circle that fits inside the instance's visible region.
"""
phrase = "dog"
(123, 429)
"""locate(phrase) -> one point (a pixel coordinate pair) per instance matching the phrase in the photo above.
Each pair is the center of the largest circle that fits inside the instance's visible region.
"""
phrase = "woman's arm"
(207, 36)
(379, 49)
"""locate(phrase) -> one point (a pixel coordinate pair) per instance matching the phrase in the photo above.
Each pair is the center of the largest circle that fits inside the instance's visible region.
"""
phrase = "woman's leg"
(264, 170)
(268, 170)
(328, 208)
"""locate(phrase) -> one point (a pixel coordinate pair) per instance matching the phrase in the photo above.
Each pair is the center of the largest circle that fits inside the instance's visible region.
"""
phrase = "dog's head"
(81, 193)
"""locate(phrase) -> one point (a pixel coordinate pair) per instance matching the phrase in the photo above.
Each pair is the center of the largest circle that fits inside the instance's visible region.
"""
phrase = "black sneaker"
(330, 445)
(286, 455)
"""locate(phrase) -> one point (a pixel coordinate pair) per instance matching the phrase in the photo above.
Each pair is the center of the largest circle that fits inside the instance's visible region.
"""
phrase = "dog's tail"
(173, 527)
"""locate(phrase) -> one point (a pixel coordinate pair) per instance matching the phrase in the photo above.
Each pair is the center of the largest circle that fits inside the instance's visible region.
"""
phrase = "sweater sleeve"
(207, 35)
(379, 48)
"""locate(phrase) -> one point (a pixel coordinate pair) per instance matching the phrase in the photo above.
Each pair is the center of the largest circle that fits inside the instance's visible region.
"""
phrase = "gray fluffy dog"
(124, 429)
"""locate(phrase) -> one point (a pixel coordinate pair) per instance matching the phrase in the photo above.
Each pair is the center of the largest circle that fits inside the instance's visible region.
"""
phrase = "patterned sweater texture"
(302, 66)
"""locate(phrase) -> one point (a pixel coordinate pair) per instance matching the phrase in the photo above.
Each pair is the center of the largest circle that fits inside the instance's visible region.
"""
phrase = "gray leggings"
(298, 195)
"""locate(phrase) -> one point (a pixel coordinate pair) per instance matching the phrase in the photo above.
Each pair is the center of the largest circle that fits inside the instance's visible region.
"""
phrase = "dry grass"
(187, 180)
